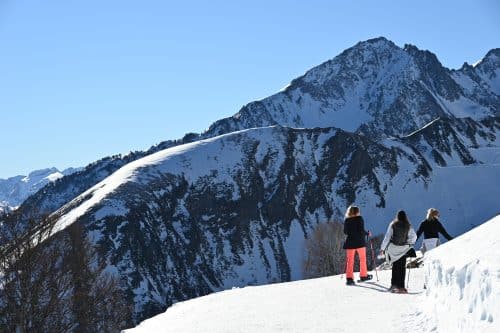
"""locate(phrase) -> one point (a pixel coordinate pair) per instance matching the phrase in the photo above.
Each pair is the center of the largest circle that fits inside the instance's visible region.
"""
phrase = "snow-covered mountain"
(377, 88)
(462, 295)
(14, 190)
(234, 210)
(382, 126)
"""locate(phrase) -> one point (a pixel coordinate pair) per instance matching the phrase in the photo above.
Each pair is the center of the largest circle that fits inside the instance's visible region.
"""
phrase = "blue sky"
(80, 80)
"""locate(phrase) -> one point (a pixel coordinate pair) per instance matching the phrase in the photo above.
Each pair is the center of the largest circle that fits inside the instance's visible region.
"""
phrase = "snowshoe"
(415, 263)
(350, 282)
(365, 278)
(399, 291)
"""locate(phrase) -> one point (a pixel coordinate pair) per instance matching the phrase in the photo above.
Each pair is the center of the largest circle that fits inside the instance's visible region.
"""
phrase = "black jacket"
(431, 228)
(354, 228)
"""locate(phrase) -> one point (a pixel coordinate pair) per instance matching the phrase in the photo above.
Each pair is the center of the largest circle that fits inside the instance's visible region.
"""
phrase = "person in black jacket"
(354, 228)
(431, 228)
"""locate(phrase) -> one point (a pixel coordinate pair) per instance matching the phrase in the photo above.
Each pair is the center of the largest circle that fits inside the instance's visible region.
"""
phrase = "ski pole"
(373, 258)
(408, 281)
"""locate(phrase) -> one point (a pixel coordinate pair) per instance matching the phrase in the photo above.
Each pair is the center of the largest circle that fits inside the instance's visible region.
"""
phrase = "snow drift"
(463, 284)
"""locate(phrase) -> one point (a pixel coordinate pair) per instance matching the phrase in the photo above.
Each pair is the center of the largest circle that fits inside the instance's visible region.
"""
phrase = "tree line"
(57, 283)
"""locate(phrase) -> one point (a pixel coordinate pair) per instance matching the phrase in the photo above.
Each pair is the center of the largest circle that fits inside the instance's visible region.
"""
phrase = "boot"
(366, 278)
(402, 291)
(350, 282)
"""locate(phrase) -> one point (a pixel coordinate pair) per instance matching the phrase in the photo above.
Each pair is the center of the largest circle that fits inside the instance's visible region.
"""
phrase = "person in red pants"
(354, 228)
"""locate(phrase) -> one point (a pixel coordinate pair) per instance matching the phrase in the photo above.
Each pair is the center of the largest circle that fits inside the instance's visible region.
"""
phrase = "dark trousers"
(399, 272)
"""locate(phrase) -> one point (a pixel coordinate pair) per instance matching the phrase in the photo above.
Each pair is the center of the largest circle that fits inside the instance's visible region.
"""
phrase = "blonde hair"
(432, 213)
(352, 211)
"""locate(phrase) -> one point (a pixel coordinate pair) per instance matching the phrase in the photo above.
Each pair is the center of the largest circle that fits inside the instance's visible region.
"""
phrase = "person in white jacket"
(399, 239)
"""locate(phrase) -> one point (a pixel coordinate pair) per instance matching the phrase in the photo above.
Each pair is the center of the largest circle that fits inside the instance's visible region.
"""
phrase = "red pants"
(350, 262)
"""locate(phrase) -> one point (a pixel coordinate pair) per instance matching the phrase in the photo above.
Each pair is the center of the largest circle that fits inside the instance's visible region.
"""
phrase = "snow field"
(316, 305)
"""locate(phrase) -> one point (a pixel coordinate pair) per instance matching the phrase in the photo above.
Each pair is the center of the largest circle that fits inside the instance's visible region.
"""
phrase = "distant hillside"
(14, 190)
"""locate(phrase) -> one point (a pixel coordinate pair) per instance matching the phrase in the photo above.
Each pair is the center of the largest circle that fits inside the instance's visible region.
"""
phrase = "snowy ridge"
(309, 306)
(462, 295)
(170, 161)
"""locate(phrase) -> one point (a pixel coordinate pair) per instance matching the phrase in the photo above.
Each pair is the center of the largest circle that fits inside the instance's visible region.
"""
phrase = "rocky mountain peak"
(374, 88)
(490, 64)
(486, 74)
(492, 57)
(372, 47)
(362, 59)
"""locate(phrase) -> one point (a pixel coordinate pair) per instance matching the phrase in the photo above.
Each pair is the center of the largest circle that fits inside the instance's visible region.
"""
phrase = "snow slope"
(463, 279)
(463, 289)
(168, 161)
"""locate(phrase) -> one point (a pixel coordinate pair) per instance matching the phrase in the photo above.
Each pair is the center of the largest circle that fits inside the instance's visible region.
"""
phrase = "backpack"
(400, 232)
